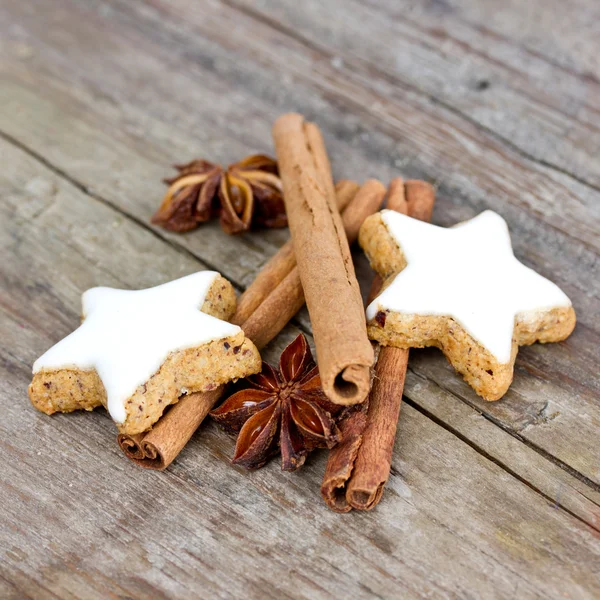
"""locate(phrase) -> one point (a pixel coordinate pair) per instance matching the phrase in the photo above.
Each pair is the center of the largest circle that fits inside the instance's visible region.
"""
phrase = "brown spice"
(283, 408)
(280, 265)
(247, 193)
(283, 300)
(358, 468)
(157, 448)
(324, 261)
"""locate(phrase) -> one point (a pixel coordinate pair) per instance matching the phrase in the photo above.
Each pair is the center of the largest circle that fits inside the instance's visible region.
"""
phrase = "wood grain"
(501, 73)
(98, 98)
(98, 106)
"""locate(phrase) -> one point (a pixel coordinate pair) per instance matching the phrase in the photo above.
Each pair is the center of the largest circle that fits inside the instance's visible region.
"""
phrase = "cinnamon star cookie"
(460, 289)
(137, 352)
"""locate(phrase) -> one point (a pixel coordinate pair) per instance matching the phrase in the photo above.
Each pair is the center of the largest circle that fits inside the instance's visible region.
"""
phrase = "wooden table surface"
(495, 102)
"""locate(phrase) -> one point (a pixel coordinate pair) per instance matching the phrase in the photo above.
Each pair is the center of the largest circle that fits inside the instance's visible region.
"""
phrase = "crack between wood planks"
(553, 501)
(487, 32)
(397, 81)
(586, 76)
(59, 172)
(556, 461)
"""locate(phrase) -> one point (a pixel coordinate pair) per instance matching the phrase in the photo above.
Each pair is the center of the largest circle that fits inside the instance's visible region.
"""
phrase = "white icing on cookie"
(467, 272)
(127, 335)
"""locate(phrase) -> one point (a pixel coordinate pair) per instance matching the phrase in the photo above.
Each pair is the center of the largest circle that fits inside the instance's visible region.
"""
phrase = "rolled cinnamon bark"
(374, 457)
(344, 353)
(157, 448)
(366, 202)
(342, 459)
(420, 197)
(276, 310)
(131, 445)
(356, 479)
(396, 199)
(282, 262)
(282, 303)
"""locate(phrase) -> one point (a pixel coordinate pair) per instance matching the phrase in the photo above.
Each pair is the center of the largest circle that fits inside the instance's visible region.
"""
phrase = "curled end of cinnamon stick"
(156, 449)
(364, 499)
(350, 386)
(141, 452)
(341, 462)
(334, 494)
(131, 445)
(154, 459)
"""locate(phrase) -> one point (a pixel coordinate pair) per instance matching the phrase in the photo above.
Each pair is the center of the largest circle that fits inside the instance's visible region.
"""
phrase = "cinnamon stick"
(366, 202)
(287, 298)
(420, 197)
(374, 457)
(282, 262)
(342, 459)
(131, 445)
(396, 199)
(276, 310)
(344, 353)
(157, 448)
(356, 479)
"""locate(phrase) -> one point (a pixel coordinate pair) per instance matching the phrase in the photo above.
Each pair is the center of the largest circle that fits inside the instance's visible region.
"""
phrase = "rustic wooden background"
(497, 102)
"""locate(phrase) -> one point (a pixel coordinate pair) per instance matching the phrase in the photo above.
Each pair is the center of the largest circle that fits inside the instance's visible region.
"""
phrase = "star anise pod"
(247, 193)
(283, 408)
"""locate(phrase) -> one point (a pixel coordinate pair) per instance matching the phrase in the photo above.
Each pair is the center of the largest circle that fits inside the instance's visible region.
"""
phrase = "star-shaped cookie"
(136, 352)
(461, 289)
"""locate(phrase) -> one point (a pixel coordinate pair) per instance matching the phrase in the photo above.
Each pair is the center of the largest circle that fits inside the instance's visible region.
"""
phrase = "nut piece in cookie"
(460, 289)
(137, 352)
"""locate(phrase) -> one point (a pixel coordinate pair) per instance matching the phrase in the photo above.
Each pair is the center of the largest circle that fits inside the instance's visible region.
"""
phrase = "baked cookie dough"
(137, 352)
(460, 289)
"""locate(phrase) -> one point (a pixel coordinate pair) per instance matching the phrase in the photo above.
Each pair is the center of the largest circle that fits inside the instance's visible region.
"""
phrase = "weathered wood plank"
(78, 520)
(102, 116)
(549, 200)
(494, 442)
(569, 43)
(474, 58)
(441, 134)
